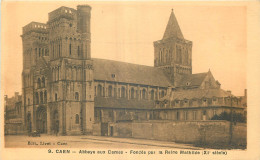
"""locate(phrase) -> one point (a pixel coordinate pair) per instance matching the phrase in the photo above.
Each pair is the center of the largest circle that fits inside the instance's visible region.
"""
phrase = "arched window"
(166, 56)
(56, 97)
(132, 93)
(37, 98)
(185, 115)
(59, 50)
(115, 94)
(58, 73)
(45, 96)
(28, 101)
(42, 52)
(99, 90)
(123, 92)
(152, 95)
(76, 96)
(194, 115)
(78, 51)
(41, 97)
(110, 91)
(70, 49)
(77, 119)
(36, 52)
(39, 83)
(39, 52)
(177, 115)
(143, 93)
(162, 94)
(46, 52)
(74, 73)
(43, 81)
(119, 92)
(53, 49)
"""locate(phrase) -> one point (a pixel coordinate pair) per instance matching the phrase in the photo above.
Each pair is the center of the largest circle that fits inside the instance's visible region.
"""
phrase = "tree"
(237, 117)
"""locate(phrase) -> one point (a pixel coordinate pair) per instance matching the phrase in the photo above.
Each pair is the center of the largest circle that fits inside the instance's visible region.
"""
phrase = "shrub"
(237, 117)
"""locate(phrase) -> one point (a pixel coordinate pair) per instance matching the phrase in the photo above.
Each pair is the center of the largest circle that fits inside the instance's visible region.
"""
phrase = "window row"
(165, 56)
(41, 82)
(77, 98)
(39, 26)
(186, 115)
(41, 97)
(72, 49)
(42, 38)
(182, 55)
(40, 52)
(122, 93)
(74, 74)
(203, 101)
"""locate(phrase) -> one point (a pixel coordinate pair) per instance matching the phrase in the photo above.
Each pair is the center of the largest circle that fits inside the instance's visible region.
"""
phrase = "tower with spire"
(173, 53)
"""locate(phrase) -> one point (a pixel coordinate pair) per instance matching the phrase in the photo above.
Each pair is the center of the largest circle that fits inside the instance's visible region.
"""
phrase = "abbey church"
(66, 91)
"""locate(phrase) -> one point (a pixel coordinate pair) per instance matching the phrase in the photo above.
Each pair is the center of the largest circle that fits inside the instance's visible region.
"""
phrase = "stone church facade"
(68, 92)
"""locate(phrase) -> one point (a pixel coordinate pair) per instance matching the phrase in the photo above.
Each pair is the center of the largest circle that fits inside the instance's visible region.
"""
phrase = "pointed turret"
(173, 28)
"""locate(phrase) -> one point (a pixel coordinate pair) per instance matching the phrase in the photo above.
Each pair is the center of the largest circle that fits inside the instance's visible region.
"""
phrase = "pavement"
(144, 142)
(50, 141)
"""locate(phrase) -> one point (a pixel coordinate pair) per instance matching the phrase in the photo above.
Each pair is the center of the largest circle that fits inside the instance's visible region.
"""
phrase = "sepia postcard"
(130, 80)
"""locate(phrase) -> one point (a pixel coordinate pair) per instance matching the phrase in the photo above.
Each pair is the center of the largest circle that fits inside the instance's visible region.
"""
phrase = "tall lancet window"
(70, 48)
(59, 50)
(78, 51)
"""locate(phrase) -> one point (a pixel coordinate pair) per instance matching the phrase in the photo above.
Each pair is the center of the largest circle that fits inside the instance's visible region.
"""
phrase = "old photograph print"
(124, 75)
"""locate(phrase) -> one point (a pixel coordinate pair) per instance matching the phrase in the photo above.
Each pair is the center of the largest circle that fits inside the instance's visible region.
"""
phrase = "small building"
(13, 113)
(198, 97)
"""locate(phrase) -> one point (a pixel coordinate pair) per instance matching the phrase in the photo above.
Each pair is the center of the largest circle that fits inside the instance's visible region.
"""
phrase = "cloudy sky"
(125, 31)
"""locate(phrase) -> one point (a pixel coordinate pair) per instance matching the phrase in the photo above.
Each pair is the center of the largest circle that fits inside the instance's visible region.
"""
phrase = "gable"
(209, 82)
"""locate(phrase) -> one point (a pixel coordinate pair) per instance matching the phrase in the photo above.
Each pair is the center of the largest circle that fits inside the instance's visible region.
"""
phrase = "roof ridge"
(123, 62)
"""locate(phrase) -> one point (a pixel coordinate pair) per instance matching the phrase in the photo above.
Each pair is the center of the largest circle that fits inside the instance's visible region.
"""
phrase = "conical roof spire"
(173, 28)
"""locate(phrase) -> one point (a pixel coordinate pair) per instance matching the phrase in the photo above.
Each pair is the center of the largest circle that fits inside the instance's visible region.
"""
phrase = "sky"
(125, 31)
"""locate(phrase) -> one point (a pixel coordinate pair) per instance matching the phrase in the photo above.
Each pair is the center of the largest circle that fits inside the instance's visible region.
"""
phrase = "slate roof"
(173, 28)
(129, 73)
(198, 94)
(192, 79)
(110, 102)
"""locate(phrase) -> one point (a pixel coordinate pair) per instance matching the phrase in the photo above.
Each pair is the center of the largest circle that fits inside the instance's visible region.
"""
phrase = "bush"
(237, 117)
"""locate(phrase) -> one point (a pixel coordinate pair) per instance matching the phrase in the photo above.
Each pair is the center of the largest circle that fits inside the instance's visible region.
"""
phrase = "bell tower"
(71, 85)
(173, 53)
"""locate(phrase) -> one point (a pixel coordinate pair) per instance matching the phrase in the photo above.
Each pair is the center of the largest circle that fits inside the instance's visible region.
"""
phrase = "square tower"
(173, 53)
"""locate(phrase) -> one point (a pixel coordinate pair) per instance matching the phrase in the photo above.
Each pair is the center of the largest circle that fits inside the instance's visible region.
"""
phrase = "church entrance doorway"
(41, 119)
(55, 122)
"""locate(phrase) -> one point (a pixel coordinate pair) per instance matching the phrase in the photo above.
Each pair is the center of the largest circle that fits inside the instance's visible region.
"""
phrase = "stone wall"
(14, 128)
(182, 131)
(239, 135)
(97, 129)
